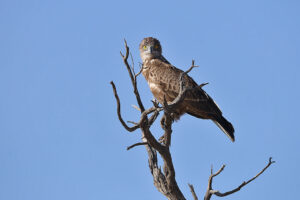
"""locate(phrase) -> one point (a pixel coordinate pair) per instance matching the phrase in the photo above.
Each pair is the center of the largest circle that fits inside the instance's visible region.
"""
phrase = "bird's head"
(150, 48)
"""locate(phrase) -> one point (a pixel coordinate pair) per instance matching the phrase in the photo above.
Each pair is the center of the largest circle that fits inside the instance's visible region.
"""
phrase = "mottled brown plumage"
(163, 79)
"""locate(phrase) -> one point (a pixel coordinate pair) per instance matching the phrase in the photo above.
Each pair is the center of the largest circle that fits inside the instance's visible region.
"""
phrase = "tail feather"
(225, 126)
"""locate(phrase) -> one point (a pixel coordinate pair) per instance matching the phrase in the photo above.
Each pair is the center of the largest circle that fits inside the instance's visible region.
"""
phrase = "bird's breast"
(157, 91)
(154, 87)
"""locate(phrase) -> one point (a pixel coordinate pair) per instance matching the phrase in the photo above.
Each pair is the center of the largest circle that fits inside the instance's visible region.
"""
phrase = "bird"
(163, 79)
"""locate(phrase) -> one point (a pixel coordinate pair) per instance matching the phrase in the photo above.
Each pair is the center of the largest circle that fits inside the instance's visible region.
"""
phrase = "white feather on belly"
(156, 91)
(154, 87)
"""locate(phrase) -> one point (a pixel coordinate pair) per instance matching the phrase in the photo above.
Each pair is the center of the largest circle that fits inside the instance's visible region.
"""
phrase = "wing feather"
(166, 77)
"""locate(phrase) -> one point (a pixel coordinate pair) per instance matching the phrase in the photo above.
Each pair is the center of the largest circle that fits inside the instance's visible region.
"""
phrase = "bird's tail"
(225, 126)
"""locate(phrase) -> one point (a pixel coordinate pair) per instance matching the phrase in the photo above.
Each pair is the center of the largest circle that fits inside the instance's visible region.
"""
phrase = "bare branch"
(165, 181)
(130, 129)
(127, 51)
(132, 63)
(245, 183)
(155, 114)
(192, 66)
(144, 124)
(262, 171)
(143, 116)
(136, 144)
(132, 122)
(193, 192)
(211, 192)
(201, 85)
(131, 75)
(136, 75)
(218, 172)
(153, 117)
(167, 126)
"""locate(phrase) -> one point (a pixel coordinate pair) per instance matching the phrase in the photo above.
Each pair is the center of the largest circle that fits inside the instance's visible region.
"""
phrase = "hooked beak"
(150, 49)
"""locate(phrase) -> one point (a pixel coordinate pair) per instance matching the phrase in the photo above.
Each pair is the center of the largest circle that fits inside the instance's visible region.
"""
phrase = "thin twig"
(154, 116)
(132, 63)
(136, 75)
(192, 66)
(131, 75)
(135, 107)
(211, 192)
(136, 144)
(245, 183)
(201, 85)
(193, 192)
(132, 122)
(218, 172)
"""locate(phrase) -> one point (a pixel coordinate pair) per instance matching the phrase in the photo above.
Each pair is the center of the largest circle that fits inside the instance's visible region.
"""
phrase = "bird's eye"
(144, 47)
(156, 46)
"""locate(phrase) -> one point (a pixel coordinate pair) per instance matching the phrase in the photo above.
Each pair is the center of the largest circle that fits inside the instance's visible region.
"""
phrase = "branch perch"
(164, 181)
(211, 192)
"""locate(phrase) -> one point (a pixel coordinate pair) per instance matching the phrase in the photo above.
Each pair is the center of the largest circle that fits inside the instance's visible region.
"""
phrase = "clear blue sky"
(59, 135)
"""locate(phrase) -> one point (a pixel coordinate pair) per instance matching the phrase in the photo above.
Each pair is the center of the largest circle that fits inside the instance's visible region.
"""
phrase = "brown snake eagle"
(164, 82)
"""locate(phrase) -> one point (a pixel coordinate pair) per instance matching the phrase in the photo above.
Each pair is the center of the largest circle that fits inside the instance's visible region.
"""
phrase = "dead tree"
(164, 180)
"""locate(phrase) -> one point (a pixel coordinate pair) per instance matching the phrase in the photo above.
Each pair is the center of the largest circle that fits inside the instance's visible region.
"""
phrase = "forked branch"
(132, 77)
(164, 181)
(211, 192)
